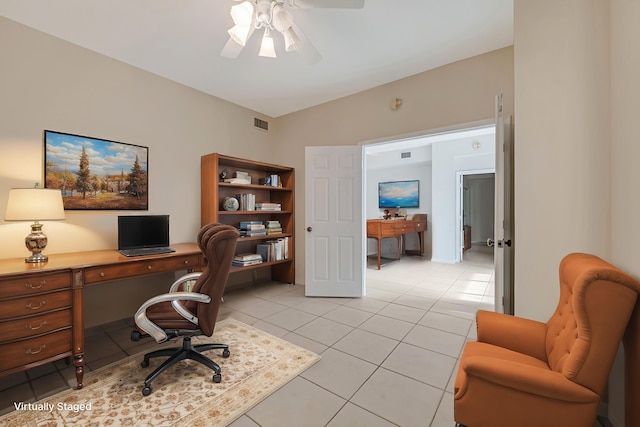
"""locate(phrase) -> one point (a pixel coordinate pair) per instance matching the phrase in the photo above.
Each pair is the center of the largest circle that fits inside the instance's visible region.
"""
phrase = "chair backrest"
(583, 334)
(218, 245)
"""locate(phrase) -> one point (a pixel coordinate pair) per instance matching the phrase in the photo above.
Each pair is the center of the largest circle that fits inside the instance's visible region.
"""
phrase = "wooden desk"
(41, 305)
(382, 228)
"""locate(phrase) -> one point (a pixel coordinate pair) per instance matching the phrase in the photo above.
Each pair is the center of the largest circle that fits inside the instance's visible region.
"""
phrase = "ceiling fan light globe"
(242, 14)
(282, 19)
(291, 40)
(267, 48)
(239, 34)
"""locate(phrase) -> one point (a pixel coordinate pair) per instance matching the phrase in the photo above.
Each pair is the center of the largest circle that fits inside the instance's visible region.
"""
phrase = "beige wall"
(461, 92)
(46, 83)
(577, 86)
(562, 154)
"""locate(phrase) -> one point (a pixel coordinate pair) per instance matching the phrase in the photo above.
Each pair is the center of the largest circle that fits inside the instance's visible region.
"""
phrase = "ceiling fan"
(272, 16)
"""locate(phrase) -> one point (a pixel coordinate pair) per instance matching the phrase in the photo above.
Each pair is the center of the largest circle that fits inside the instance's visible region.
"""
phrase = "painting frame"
(399, 194)
(95, 173)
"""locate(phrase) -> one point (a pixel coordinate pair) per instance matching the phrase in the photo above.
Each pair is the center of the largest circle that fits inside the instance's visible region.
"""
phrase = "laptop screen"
(143, 231)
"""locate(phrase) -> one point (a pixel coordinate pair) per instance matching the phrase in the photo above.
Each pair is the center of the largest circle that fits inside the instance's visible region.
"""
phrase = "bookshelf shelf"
(214, 191)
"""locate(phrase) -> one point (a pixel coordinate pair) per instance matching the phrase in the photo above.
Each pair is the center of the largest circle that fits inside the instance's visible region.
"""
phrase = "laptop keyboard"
(146, 251)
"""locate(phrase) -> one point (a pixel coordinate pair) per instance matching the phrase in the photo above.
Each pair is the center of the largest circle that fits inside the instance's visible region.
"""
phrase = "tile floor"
(388, 359)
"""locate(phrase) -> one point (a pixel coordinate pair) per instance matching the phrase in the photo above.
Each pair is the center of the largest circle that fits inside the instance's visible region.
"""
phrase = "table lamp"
(35, 204)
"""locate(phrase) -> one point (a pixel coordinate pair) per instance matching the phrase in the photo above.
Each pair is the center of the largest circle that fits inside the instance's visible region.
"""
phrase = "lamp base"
(36, 242)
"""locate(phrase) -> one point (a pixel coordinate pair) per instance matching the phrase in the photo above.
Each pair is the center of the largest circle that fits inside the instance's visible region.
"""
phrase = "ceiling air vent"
(405, 155)
(261, 124)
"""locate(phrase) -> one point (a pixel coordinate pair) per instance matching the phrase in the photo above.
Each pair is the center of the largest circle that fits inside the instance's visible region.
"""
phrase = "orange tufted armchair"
(526, 373)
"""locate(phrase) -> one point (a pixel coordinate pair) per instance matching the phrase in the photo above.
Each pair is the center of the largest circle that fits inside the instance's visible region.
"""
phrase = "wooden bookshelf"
(214, 191)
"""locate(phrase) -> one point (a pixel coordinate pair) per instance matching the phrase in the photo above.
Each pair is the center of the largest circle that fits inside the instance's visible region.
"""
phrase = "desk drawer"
(136, 268)
(35, 325)
(32, 350)
(33, 284)
(402, 227)
(34, 304)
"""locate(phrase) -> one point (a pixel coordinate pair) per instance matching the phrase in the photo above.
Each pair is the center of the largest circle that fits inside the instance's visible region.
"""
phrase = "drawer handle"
(30, 285)
(35, 328)
(35, 351)
(32, 307)
(102, 274)
(186, 262)
(148, 267)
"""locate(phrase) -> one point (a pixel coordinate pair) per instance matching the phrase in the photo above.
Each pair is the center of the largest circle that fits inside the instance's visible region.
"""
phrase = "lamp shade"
(34, 204)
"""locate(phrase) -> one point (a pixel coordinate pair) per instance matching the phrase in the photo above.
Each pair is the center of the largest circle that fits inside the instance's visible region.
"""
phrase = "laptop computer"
(143, 235)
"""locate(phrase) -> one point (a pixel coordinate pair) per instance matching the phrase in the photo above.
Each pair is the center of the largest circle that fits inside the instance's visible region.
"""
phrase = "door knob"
(309, 229)
(490, 242)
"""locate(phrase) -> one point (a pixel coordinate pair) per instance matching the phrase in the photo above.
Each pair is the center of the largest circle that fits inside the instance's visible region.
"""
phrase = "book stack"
(239, 178)
(243, 260)
(274, 250)
(265, 206)
(274, 227)
(252, 228)
(247, 201)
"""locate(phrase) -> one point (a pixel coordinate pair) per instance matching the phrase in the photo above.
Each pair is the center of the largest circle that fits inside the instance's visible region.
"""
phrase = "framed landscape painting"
(96, 173)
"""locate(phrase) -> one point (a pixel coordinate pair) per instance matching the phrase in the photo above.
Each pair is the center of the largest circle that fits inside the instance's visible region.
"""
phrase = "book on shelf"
(241, 174)
(238, 180)
(268, 206)
(244, 225)
(245, 259)
(238, 263)
(273, 231)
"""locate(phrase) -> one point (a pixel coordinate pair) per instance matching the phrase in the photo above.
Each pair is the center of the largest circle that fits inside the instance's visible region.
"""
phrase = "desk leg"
(419, 251)
(78, 361)
(378, 239)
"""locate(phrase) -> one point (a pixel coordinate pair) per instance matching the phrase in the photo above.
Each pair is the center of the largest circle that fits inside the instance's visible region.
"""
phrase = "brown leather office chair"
(531, 374)
(187, 314)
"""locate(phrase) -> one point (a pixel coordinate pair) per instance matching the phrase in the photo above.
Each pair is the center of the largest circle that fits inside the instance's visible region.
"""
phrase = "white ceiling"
(362, 48)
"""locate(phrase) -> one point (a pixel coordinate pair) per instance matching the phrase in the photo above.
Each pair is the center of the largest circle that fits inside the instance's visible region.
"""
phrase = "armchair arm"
(525, 378)
(177, 306)
(513, 333)
(151, 328)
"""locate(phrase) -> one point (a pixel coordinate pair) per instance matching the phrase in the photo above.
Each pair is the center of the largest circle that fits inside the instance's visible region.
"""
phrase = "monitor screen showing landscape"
(399, 194)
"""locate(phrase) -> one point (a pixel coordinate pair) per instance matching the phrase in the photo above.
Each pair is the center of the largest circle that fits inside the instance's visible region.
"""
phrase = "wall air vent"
(405, 155)
(261, 124)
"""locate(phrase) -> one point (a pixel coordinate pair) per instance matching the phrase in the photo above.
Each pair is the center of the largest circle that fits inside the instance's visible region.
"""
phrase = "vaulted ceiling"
(361, 48)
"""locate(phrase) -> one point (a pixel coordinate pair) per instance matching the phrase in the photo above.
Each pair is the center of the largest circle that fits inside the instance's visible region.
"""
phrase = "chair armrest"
(513, 333)
(525, 378)
(154, 330)
(177, 305)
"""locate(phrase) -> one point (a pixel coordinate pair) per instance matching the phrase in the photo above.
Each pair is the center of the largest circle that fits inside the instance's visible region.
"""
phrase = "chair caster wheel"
(217, 378)
(226, 353)
(144, 363)
(146, 390)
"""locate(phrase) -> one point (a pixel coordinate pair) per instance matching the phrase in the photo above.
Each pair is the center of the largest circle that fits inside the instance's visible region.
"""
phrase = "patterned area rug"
(184, 395)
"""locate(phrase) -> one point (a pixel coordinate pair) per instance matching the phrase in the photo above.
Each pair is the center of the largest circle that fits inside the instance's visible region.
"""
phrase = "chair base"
(176, 354)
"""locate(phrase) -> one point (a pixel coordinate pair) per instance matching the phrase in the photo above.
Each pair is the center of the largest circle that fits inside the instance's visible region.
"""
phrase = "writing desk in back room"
(384, 228)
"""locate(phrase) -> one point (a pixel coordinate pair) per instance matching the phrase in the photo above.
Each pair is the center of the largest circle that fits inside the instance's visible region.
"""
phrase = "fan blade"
(306, 50)
(327, 4)
(231, 49)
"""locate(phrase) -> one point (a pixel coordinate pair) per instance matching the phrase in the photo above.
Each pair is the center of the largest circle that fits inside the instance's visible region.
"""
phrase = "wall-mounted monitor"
(399, 194)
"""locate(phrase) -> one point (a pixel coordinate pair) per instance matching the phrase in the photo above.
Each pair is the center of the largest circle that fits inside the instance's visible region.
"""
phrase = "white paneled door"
(334, 230)
(502, 240)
